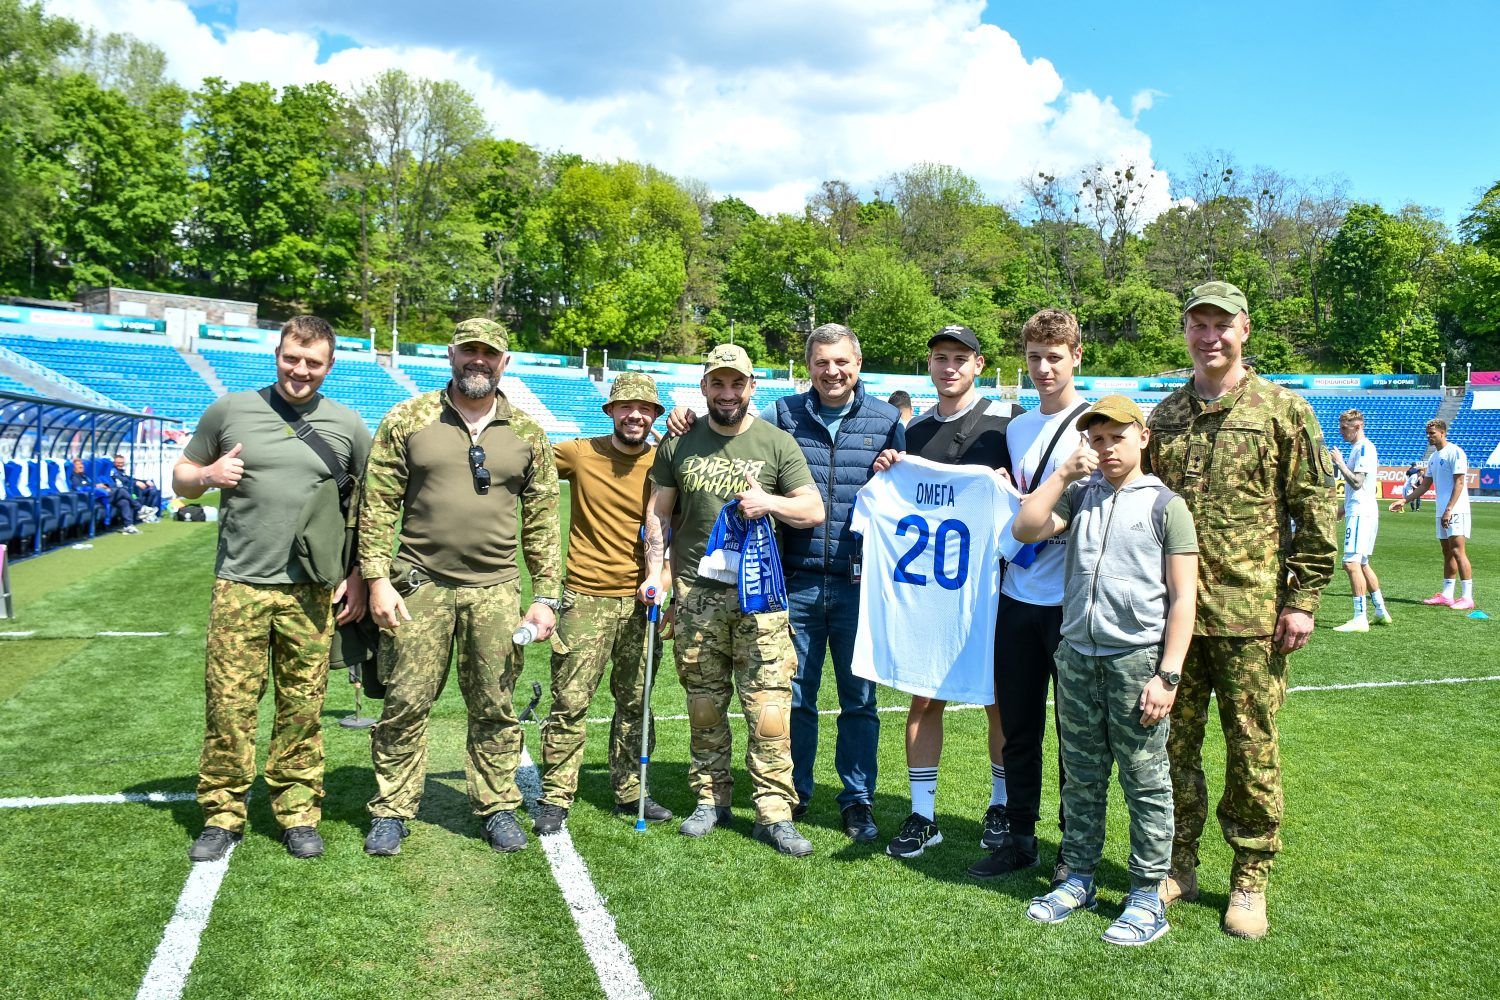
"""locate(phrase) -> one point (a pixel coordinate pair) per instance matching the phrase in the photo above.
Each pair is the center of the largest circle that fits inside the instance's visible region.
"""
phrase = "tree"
(779, 273)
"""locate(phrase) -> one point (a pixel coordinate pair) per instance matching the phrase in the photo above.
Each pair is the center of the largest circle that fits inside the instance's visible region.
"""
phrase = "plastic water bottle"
(525, 635)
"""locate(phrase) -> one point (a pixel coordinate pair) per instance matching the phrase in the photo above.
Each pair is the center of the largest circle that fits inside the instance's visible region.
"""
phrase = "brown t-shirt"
(610, 493)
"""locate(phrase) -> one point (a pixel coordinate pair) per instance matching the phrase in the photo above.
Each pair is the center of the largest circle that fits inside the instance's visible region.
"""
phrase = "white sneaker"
(1359, 624)
(130, 529)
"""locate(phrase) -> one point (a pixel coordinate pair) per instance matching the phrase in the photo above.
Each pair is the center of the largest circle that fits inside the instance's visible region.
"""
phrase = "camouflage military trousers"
(720, 649)
(477, 622)
(256, 631)
(590, 632)
(1249, 681)
(1099, 725)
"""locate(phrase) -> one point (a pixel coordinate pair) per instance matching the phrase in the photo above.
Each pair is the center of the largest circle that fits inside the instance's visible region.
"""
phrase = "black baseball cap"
(962, 334)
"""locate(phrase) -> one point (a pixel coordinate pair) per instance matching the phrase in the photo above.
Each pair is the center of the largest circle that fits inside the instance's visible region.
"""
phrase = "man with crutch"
(601, 620)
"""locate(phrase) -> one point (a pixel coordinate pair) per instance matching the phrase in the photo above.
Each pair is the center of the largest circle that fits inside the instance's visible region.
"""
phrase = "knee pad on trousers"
(771, 725)
(702, 712)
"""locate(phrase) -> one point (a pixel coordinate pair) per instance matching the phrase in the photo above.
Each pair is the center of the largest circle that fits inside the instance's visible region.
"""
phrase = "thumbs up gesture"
(754, 501)
(1081, 464)
(227, 472)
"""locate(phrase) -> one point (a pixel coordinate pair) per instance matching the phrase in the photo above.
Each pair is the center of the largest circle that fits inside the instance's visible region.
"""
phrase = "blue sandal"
(1074, 892)
(1142, 921)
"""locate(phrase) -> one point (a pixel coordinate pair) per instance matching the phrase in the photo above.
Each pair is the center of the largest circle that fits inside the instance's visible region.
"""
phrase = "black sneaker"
(503, 832)
(1015, 854)
(1060, 870)
(799, 810)
(212, 844)
(546, 818)
(655, 811)
(916, 835)
(859, 823)
(385, 836)
(784, 837)
(302, 842)
(996, 826)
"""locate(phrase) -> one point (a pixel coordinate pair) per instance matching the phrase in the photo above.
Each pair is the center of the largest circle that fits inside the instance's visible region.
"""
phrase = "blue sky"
(764, 98)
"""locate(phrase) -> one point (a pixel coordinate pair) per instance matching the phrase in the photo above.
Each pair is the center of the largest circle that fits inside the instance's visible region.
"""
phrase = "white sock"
(1378, 600)
(1359, 606)
(923, 782)
(1448, 587)
(1468, 590)
(997, 784)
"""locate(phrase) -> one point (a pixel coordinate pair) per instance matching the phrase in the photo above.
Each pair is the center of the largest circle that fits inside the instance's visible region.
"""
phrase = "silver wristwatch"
(550, 602)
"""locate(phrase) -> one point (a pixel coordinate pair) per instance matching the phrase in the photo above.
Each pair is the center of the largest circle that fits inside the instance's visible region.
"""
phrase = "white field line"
(96, 800)
(611, 958)
(167, 974)
(1301, 689)
(97, 635)
(130, 634)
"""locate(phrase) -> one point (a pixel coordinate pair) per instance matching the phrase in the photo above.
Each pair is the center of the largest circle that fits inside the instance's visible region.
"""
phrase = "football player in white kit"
(1361, 521)
(1448, 472)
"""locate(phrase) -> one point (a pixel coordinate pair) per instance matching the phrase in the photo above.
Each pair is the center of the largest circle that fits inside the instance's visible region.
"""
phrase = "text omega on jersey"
(934, 495)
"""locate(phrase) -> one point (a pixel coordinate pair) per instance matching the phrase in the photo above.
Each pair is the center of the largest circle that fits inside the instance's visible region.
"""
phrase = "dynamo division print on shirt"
(934, 536)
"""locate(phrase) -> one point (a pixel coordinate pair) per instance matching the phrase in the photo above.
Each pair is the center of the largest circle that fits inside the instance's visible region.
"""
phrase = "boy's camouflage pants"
(720, 649)
(256, 631)
(1248, 680)
(414, 657)
(1099, 720)
(592, 631)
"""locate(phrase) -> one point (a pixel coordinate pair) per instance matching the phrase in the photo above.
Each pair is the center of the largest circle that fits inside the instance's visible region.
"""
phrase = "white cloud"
(758, 99)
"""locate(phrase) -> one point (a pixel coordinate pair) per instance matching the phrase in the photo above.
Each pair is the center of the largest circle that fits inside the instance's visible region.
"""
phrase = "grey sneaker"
(302, 842)
(385, 836)
(784, 837)
(212, 844)
(704, 819)
(504, 833)
(130, 529)
(655, 811)
(547, 818)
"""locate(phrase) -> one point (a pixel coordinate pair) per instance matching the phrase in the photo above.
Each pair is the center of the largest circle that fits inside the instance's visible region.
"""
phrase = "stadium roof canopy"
(36, 427)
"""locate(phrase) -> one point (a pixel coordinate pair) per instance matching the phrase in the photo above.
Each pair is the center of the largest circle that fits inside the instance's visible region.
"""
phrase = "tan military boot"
(1181, 886)
(1246, 916)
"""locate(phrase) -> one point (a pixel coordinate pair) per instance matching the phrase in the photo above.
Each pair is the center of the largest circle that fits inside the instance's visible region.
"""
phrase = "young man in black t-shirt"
(964, 428)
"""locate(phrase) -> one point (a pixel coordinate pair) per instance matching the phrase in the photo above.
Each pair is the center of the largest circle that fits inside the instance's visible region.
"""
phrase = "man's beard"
(476, 385)
(632, 435)
(732, 419)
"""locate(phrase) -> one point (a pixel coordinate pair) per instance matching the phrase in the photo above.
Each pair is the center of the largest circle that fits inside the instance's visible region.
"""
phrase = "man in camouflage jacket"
(1248, 458)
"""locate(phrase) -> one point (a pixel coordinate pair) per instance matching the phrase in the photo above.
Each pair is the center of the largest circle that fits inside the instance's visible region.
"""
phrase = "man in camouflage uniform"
(601, 620)
(449, 467)
(733, 455)
(1248, 457)
(268, 616)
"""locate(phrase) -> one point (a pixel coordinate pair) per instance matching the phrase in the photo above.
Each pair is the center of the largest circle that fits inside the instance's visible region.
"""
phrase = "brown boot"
(1246, 916)
(1179, 886)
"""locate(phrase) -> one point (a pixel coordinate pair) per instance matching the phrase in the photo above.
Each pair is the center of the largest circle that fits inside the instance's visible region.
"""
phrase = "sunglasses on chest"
(476, 466)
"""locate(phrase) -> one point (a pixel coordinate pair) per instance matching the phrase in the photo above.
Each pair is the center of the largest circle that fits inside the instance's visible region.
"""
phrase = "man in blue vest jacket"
(840, 430)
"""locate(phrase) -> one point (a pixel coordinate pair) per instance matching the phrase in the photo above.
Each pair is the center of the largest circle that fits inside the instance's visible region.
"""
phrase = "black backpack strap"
(1041, 467)
(959, 444)
(313, 440)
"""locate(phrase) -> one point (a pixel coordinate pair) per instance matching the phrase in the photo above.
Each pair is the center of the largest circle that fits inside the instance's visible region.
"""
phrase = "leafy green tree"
(778, 273)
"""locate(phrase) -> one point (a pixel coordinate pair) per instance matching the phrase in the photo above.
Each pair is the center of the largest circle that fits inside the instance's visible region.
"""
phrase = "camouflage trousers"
(255, 632)
(475, 622)
(1248, 680)
(590, 632)
(1099, 725)
(719, 649)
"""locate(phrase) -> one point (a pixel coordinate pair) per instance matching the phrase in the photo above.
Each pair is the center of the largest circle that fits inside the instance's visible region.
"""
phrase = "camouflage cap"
(1120, 409)
(729, 356)
(635, 387)
(1217, 293)
(481, 331)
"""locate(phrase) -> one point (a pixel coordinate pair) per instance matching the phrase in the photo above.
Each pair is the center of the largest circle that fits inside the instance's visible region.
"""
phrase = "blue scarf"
(744, 552)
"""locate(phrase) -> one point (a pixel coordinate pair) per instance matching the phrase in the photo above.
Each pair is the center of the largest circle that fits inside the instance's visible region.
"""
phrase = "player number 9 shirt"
(934, 535)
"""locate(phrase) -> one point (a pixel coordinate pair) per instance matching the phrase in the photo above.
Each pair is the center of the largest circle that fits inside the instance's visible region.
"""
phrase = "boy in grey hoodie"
(1130, 584)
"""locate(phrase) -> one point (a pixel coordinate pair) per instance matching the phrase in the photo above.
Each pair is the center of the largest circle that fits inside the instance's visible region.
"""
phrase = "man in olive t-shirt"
(731, 456)
(264, 606)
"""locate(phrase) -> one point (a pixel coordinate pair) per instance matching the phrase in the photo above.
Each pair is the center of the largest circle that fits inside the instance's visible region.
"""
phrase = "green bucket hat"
(635, 387)
(481, 331)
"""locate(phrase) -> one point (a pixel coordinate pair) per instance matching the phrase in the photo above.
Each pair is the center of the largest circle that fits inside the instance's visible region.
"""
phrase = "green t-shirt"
(707, 469)
(258, 518)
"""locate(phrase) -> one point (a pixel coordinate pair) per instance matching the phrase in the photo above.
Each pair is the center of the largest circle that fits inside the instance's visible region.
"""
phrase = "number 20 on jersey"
(939, 538)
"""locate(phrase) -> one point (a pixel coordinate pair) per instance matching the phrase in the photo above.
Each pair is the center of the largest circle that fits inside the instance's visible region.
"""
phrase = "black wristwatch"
(1172, 677)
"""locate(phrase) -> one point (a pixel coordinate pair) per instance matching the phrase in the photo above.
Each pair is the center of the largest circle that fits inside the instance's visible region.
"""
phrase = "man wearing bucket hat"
(445, 475)
(1248, 458)
(600, 620)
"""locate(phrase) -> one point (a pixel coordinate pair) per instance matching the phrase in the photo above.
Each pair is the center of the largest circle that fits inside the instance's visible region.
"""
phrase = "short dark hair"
(308, 330)
(900, 399)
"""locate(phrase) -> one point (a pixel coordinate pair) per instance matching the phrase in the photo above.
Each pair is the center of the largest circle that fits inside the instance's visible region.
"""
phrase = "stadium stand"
(142, 376)
(360, 383)
(567, 406)
(1476, 429)
(1395, 422)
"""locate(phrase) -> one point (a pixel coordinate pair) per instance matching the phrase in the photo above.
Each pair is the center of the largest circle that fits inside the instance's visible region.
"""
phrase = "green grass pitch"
(1385, 888)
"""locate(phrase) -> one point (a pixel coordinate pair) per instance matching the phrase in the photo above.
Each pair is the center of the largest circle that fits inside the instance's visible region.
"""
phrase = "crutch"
(653, 609)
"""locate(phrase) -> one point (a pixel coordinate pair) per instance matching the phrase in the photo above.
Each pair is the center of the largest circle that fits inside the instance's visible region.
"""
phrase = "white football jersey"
(1365, 501)
(1442, 465)
(934, 536)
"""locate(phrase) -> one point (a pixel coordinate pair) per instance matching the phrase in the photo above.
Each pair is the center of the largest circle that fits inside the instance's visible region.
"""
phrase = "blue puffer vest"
(839, 468)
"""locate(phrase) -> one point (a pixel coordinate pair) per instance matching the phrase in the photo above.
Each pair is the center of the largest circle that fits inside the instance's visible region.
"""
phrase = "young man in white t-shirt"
(1029, 621)
(1361, 521)
(1448, 472)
